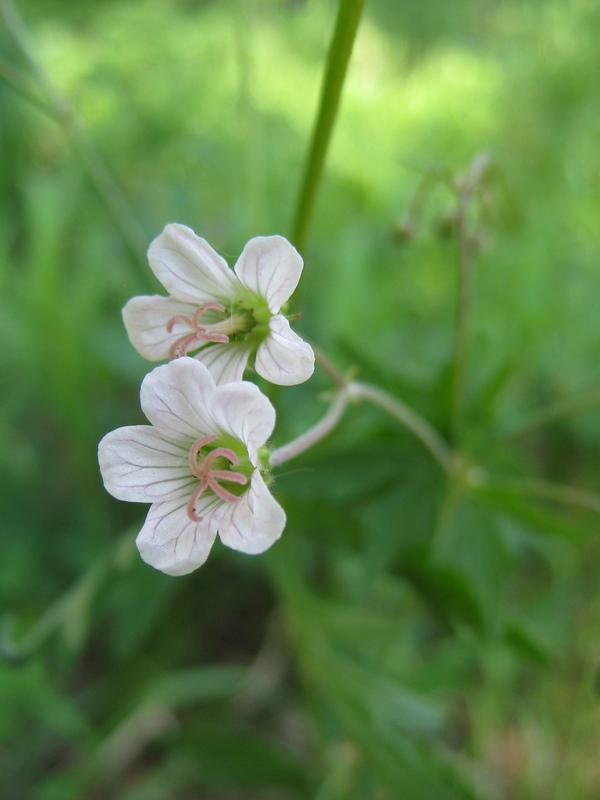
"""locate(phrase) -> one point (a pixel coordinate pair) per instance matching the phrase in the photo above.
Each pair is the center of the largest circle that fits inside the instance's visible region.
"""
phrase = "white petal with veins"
(139, 465)
(283, 357)
(175, 398)
(173, 543)
(254, 523)
(270, 267)
(146, 319)
(243, 411)
(226, 362)
(189, 268)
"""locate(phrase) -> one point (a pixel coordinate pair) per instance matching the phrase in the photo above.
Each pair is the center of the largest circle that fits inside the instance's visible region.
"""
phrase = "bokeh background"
(407, 637)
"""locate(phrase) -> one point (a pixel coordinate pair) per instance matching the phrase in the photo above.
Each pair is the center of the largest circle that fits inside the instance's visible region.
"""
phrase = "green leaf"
(197, 685)
(470, 565)
(393, 727)
(536, 515)
(399, 524)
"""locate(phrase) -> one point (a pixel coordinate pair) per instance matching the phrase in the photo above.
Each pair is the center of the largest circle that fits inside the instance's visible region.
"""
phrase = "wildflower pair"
(202, 462)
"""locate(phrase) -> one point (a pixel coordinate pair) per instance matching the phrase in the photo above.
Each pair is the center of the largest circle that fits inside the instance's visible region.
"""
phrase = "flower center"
(213, 332)
(209, 477)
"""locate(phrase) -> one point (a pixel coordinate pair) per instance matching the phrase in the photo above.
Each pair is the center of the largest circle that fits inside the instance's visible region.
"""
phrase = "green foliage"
(418, 632)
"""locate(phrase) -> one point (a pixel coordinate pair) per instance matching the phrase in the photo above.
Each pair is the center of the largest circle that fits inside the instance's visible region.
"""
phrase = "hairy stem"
(314, 434)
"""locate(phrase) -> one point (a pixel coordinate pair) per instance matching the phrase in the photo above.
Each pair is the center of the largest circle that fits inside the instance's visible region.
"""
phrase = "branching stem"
(404, 414)
(314, 434)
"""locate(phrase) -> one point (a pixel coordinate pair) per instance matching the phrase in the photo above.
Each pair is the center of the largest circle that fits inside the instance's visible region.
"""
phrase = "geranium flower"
(200, 463)
(224, 315)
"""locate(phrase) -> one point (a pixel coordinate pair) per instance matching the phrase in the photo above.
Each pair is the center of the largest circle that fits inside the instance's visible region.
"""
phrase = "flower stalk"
(404, 414)
(466, 187)
(314, 434)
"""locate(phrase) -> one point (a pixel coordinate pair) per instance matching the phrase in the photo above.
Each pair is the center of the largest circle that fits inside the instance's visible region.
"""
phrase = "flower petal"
(284, 358)
(175, 397)
(138, 464)
(146, 319)
(243, 411)
(226, 362)
(189, 268)
(255, 522)
(271, 267)
(173, 543)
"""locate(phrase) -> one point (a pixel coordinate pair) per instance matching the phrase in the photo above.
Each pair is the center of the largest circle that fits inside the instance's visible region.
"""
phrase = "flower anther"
(209, 477)
(201, 287)
(200, 333)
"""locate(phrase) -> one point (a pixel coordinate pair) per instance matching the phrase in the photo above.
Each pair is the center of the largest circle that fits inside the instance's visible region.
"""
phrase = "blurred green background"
(407, 638)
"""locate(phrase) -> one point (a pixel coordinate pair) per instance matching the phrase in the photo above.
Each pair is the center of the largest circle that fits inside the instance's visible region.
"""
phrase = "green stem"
(59, 109)
(562, 410)
(346, 26)
(314, 434)
(465, 186)
(22, 85)
(461, 340)
(337, 377)
(357, 390)
(69, 611)
(426, 434)
(544, 490)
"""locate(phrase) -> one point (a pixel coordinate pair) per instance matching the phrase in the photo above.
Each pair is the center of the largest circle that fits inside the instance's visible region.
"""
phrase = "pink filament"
(200, 333)
(209, 477)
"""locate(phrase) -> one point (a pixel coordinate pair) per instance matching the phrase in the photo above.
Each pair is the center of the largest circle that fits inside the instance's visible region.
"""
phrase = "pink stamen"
(200, 333)
(191, 506)
(179, 318)
(221, 451)
(208, 477)
(195, 449)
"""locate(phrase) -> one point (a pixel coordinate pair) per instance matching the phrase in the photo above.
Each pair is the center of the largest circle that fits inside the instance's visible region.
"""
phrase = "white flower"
(225, 315)
(199, 463)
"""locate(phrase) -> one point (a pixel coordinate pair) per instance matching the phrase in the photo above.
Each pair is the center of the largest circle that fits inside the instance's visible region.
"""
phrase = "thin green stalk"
(346, 26)
(314, 434)
(562, 410)
(68, 612)
(461, 341)
(21, 83)
(545, 490)
(426, 434)
(465, 186)
(59, 109)
(357, 390)
(337, 377)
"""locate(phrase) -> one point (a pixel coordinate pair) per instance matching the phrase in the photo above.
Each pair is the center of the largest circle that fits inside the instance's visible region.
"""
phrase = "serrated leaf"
(470, 565)
(535, 515)
(399, 524)
(197, 685)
